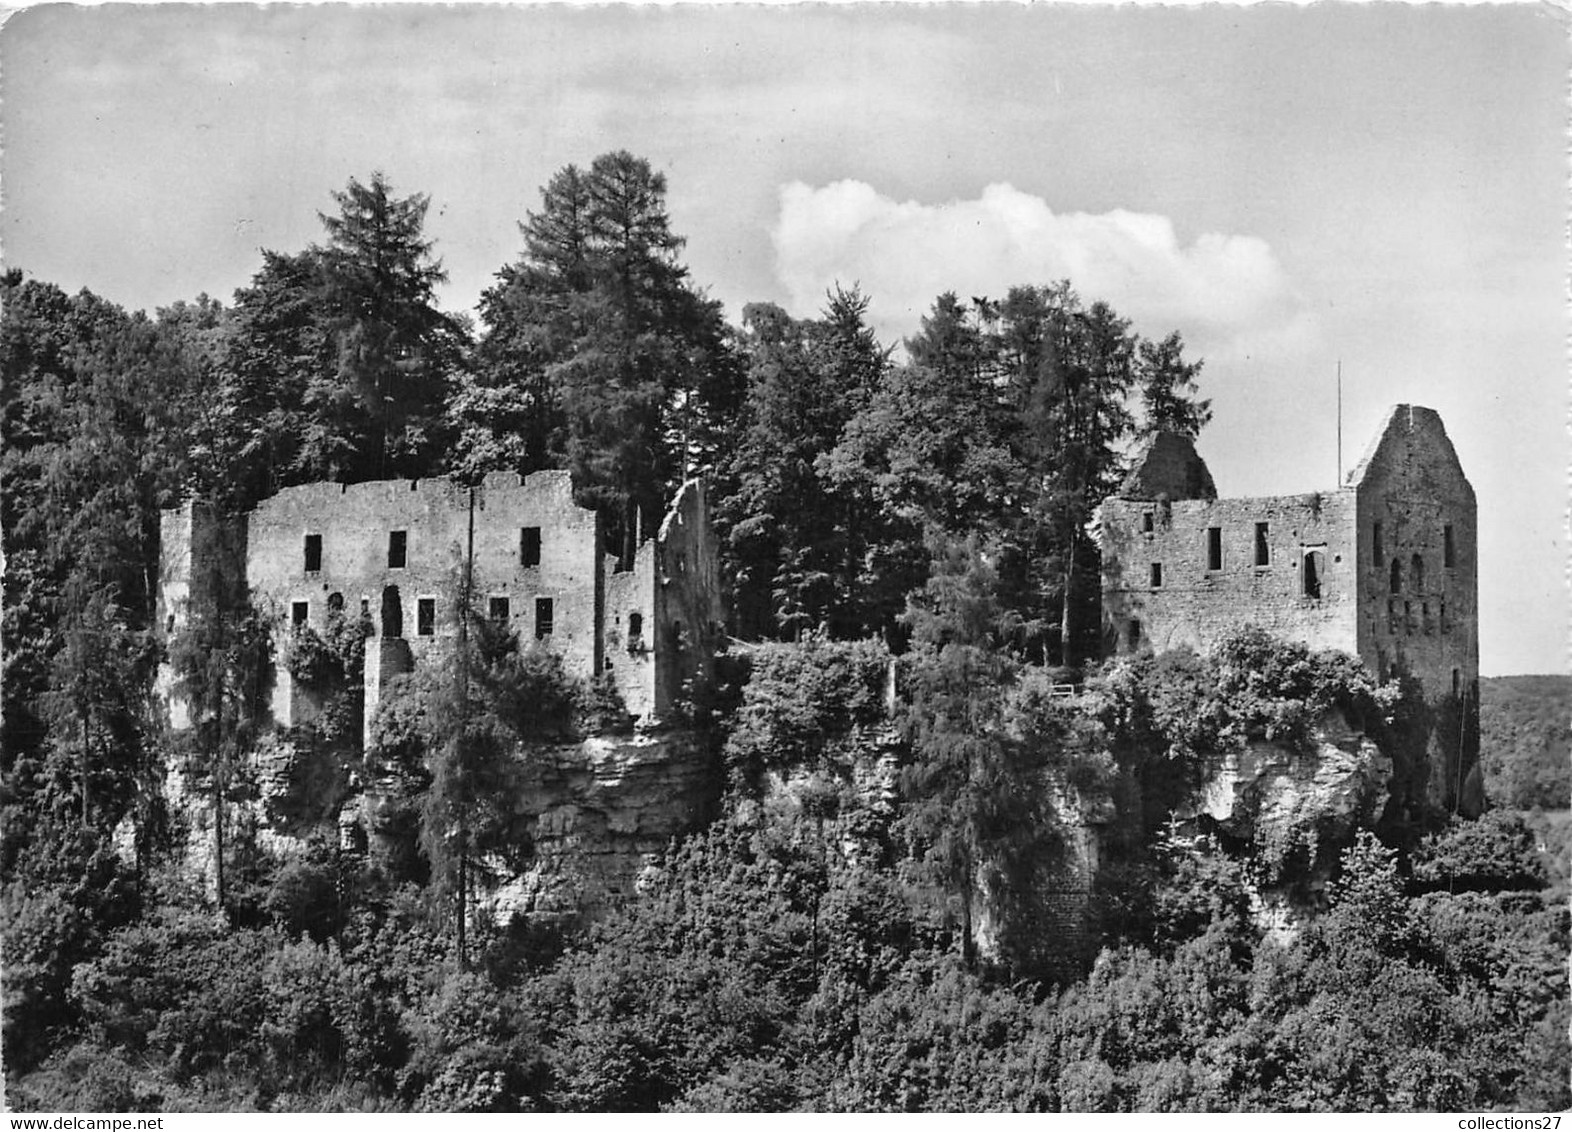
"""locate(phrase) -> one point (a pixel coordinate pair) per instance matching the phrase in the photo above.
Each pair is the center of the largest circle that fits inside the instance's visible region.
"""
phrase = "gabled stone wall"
(1418, 599)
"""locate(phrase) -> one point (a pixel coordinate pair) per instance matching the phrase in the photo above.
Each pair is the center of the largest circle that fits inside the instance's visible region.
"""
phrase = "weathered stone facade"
(1384, 568)
(396, 553)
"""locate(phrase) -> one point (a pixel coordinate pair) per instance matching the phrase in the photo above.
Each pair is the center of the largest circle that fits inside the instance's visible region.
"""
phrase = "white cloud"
(1228, 295)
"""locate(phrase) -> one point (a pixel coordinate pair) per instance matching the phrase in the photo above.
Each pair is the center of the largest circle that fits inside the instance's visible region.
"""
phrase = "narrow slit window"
(545, 617)
(1377, 549)
(1416, 570)
(300, 612)
(1134, 636)
(1214, 548)
(497, 609)
(1448, 547)
(398, 547)
(313, 553)
(1395, 583)
(529, 546)
(425, 616)
(1263, 555)
(1157, 575)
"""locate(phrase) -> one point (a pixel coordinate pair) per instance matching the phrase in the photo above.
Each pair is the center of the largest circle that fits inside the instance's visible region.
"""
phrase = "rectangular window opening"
(1448, 547)
(1214, 548)
(1157, 575)
(300, 612)
(425, 616)
(544, 616)
(1135, 634)
(1262, 550)
(398, 545)
(313, 553)
(1146, 522)
(529, 546)
(497, 609)
(1377, 550)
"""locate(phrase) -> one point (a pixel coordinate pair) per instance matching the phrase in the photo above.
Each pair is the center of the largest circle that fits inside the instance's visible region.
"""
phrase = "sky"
(1379, 186)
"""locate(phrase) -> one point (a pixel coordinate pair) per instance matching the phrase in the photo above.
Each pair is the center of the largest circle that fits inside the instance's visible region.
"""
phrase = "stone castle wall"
(1383, 568)
(395, 553)
(690, 614)
(1169, 581)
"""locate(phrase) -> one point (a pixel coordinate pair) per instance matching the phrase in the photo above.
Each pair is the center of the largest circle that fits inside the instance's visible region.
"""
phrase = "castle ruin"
(400, 554)
(1384, 568)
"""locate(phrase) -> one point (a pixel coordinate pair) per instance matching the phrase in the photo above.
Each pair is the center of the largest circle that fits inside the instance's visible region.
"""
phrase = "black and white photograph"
(787, 557)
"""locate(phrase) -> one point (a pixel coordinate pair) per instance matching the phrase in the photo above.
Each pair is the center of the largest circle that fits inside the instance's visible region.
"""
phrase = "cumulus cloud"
(1227, 294)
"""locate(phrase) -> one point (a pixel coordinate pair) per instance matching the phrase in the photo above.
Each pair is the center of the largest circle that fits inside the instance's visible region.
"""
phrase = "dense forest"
(813, 946)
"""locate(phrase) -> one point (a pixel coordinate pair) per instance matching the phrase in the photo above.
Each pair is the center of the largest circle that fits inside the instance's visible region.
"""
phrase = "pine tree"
(798, 545)
(339, 361)
(598, 344)
(1168, 384)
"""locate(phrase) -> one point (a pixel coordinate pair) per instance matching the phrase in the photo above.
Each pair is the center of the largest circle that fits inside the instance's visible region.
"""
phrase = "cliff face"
(598, 813)
(1272, 795)
(1296, 809)
(602, 811)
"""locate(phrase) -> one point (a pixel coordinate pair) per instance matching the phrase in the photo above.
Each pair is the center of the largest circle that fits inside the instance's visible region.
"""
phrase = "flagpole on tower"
(1339, 422)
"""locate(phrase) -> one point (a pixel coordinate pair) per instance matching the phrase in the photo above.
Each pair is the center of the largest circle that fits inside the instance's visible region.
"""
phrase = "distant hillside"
(1525, 738)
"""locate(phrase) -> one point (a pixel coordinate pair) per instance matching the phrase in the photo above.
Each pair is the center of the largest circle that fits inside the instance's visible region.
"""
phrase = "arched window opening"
(1314, 569)
(392, 613)
(1396, 585)
(1416, 574)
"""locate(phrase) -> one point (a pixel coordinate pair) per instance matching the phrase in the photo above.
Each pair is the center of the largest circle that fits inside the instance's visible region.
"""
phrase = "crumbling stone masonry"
(1384, 568)
(395, 551)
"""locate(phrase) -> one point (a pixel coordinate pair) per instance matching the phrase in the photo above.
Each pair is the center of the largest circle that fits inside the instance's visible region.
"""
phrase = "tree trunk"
(968, 942)
(1066, 627)
(218, 835)
(463, 881)
(83, 712)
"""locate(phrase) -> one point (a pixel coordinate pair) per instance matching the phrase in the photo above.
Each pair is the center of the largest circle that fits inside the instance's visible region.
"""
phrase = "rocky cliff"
(602, 811)
(598, 812)
(1295, 809)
